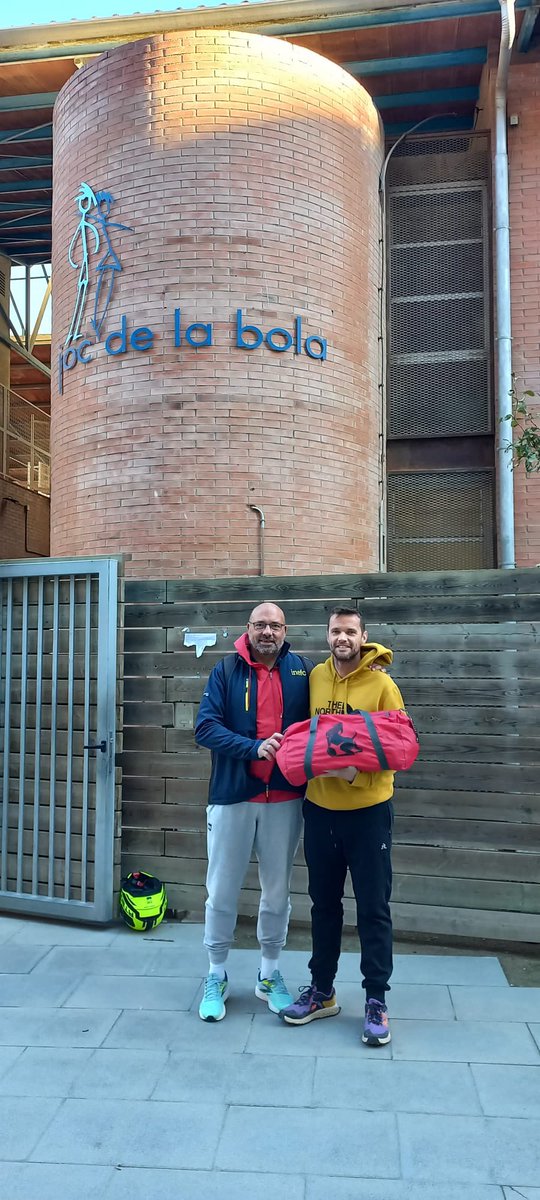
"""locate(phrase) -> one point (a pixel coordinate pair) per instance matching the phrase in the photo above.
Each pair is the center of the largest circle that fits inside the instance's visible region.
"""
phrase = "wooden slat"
(442, 607)
(485, 894)
(447, 748)
(468, 776)
(439, 636)
(465, 863)
(475, 894)
(465, 691)
(183, 793)
(471, 690)
(79, 615)
(484, 835)
(519, 749)
(143, 842)
(43, 875)
(145, 737)
(408, 584)
(76, 817)
(62, 691)
(153, 713)
(63, 643)
(60, 712)
(466, 923)
(147, 591)
(145, 689)
(471, 720)
(495, 806)
(63, 666)
(142, 789)
(76, 844)
(165, 766)
(44, 793)
(186, 688)
(445, 664)
(138, 640)
(193, 791)
(61, 769)
(155, 814)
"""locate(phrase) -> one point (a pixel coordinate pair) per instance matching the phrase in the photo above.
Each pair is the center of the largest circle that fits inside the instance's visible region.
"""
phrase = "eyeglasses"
(275, 626)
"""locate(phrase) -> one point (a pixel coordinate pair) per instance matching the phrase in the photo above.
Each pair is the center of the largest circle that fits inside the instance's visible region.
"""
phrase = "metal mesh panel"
(436, 158)
(422, 215)
(420, 393)
(440, 521)
(438, 289)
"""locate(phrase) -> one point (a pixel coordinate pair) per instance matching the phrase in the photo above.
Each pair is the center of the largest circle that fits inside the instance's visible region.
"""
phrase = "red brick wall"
(24, 522)
(248, 169)
(524, 155)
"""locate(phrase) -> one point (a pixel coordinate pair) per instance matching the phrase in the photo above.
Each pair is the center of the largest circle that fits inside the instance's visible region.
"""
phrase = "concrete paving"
(110, 1083)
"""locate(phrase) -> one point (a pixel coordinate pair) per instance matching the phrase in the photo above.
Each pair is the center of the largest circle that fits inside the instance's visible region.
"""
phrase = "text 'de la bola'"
(195, 336)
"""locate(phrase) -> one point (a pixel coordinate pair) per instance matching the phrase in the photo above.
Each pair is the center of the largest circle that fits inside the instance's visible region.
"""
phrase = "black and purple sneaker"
(376, 1030)
(310, 1005)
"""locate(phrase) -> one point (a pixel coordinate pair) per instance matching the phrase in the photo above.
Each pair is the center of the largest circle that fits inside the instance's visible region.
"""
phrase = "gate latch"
(97, 746)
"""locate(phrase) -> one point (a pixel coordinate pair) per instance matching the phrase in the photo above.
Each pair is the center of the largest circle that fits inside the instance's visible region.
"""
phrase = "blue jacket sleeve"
(210, 728)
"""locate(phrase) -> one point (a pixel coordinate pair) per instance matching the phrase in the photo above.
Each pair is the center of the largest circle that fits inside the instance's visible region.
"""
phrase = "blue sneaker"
(212, 1006)
(311, 1005)
(376, 1031)
(275, 993)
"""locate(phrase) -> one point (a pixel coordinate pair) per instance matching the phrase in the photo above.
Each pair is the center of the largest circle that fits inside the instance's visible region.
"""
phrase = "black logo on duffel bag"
(339, 744)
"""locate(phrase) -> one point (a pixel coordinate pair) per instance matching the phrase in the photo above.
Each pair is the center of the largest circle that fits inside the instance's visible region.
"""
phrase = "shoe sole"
(321, 1012)
(268, 1000)
(212, 1020)
(375, 1041)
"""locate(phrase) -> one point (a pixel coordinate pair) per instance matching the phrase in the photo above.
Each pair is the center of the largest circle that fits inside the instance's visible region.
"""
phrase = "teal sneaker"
(216, 991)
(273, 990)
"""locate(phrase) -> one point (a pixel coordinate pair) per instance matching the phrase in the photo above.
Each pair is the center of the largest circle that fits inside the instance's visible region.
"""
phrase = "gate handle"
(97, 746)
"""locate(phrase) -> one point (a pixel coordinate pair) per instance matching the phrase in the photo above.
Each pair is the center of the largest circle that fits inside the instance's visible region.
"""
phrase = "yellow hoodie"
(372, 690)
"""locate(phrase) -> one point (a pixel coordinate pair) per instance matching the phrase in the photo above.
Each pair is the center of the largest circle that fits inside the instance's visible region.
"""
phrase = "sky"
(34, 12)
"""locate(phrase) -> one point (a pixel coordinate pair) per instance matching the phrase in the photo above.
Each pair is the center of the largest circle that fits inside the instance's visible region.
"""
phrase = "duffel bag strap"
(308, 757)
(377, 744)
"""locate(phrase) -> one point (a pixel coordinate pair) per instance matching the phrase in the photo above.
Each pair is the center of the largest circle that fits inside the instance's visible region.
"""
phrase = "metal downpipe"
(503, 326)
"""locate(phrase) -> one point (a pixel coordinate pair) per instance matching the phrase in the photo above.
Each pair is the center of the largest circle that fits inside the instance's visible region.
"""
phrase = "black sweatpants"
(360, 840)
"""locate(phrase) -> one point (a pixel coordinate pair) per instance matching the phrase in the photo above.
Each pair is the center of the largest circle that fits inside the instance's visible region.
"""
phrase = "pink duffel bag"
(368, 741)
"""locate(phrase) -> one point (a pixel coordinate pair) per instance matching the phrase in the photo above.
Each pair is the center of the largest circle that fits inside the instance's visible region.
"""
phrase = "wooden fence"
(467, 658)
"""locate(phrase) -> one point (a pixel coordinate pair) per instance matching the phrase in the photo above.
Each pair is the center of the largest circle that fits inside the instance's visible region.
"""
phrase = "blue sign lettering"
(310, 347)
(242, 329)
(142, 338)
(272, 333)
(314, 346)
(197, 335)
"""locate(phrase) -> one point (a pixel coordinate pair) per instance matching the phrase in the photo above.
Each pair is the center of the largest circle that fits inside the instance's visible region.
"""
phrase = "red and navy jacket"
(227, 725)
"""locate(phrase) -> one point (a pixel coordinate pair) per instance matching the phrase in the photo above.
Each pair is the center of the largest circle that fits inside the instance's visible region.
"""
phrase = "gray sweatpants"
(233, 832)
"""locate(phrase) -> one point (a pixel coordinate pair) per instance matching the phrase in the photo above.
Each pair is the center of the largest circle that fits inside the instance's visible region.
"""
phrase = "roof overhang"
(421, 60)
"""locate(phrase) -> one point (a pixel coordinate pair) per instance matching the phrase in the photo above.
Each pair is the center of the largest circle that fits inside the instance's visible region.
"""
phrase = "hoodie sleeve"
(390, 697)
(210, 728)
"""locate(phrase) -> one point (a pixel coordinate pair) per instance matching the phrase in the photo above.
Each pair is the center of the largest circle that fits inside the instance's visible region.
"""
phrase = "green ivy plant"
(525, 442)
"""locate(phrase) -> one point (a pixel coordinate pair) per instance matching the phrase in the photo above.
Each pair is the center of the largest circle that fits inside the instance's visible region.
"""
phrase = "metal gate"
(58, 699)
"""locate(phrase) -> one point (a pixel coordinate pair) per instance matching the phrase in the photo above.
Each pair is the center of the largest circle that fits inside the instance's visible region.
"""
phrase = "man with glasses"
(250, 699)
